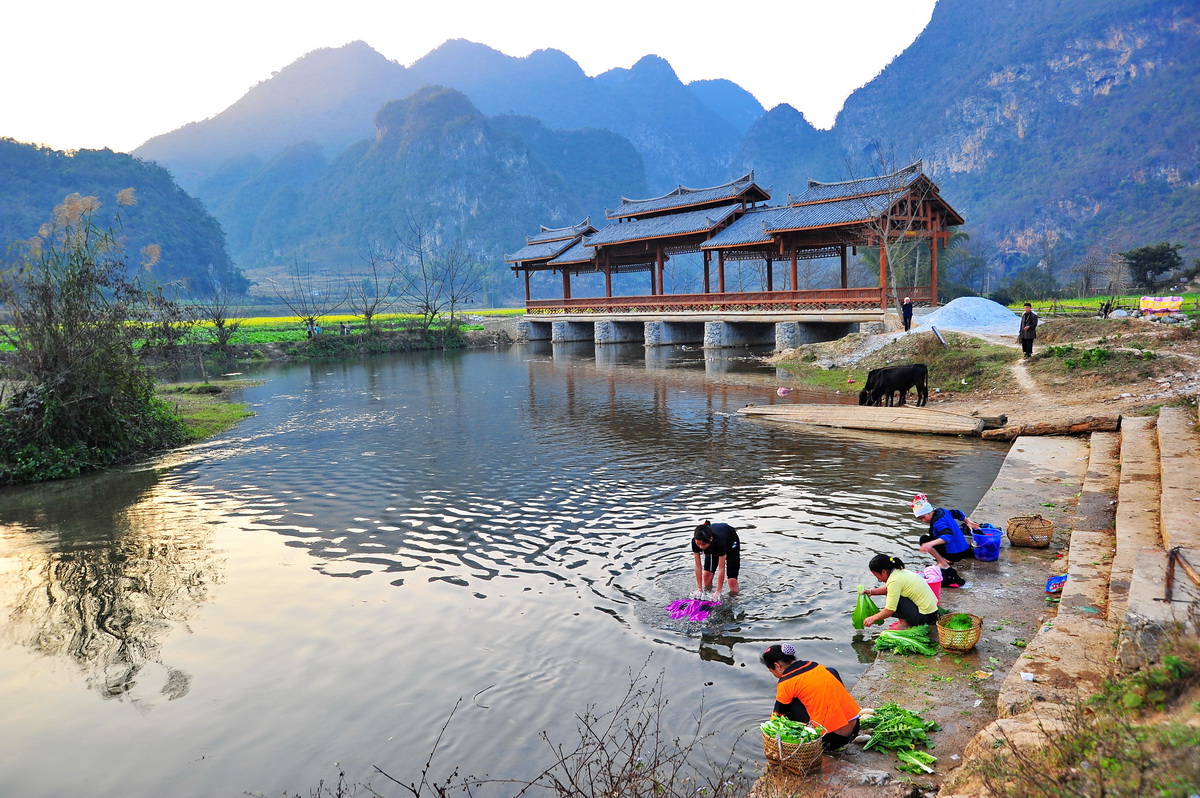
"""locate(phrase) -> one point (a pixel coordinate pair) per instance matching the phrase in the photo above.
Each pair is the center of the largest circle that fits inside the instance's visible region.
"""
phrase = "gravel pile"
(972, 314)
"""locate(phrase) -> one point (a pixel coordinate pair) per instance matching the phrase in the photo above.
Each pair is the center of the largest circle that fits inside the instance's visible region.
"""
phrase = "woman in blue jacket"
(945, 541)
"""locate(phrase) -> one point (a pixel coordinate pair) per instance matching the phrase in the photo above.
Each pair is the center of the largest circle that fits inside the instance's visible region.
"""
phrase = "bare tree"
(222, 309)
(894, 220)
(374, 292)
(310, 296)
(437, 277)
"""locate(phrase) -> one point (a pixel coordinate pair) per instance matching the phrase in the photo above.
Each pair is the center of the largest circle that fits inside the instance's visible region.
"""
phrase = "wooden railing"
(824, 299)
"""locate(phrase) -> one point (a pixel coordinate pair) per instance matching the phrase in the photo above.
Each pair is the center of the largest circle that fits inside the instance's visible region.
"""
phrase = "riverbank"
(1102, 493)
(206, 409)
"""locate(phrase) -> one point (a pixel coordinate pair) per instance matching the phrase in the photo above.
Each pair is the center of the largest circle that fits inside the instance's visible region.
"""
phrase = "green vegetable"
(959, 622)
(792, 732)
(906, 641)
(895, 728)
(915, 761)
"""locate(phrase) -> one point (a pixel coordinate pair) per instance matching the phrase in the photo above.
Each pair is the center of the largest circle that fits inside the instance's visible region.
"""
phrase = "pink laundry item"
(695, 610)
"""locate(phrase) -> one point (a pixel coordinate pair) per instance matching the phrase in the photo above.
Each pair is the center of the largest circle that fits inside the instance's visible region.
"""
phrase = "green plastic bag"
(864, 609)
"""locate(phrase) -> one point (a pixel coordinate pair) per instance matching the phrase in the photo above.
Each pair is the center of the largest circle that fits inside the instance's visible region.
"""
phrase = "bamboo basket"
(1030, 531)
(959, 641)
(798, 758)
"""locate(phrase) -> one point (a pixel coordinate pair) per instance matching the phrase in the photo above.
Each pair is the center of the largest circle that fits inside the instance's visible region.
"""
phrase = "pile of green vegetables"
(959, 622)
(895, 728)
(906, 641)
(790, 731)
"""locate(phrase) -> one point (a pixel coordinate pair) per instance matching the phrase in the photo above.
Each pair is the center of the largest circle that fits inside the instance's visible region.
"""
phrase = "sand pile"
(972, 315)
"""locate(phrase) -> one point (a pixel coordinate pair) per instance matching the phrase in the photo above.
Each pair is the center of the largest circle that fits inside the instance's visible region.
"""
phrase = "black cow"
(882, 384)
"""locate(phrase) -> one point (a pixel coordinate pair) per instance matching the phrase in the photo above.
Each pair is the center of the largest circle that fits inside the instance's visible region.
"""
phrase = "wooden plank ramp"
(906, 418)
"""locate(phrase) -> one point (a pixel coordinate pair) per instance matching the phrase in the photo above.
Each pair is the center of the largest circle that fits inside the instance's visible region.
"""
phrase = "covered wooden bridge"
(726, 224)
(731, 222)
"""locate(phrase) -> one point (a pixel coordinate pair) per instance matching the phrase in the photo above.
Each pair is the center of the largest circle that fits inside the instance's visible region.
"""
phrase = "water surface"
(317, 589)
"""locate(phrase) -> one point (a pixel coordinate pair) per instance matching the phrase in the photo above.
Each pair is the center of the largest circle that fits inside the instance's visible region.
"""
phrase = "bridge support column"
(563, 331)
(619, 332)
(791, 334)
(671, 333)
(722, 334)
(533, 330)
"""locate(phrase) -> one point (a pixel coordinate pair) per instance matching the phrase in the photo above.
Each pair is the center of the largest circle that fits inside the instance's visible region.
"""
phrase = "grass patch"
(1136, 737)
(205, 408)
(981, 364)
(1066, 365)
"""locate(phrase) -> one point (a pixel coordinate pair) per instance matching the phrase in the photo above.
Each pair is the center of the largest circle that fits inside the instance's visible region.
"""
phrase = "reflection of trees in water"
(103, 574)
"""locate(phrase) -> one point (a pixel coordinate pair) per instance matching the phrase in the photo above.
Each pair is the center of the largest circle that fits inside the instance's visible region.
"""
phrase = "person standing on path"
(1029, 321)
(722, 556)
(906, 312)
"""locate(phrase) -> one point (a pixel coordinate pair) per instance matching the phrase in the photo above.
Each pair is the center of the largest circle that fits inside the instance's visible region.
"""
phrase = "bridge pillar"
(791, 334)
(619, 332)
(722, 334)
(669, 333)
(563, 331)
(533, 330)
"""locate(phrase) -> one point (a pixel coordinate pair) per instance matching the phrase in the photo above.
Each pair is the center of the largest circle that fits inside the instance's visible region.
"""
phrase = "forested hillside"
(437, 160)
(36, 179)
(1053, 126)
(330, 96)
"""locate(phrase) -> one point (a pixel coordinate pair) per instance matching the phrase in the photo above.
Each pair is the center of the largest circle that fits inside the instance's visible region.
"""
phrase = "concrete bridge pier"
(563, 331)
(722, 334)
(791, 334)
(533, 330)
(672, 333)
(619, 332)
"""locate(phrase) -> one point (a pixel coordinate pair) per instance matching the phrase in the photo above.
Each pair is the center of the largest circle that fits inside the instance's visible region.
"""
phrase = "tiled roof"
(746, 230)
(824, 214)
(539, 251)
(673, 224)
(579, 252)
(683, 197)
(894, 182)
(561, 233)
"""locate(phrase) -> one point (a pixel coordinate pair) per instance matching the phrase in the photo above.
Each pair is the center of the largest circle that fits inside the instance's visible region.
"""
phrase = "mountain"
(485, 181)
(328, 97)
(1051, 125)
(685, 133)
(36, 179)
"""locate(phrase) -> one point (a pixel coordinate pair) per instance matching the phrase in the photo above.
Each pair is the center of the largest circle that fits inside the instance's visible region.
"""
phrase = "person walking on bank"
(722, 557)
(906, 312)
(808, 692)
(1029, 321)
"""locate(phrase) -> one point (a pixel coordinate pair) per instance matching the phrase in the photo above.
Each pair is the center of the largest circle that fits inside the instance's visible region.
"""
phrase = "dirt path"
(1033, 395)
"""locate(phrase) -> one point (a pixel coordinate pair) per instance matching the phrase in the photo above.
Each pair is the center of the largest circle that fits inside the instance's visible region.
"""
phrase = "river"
(316, 590)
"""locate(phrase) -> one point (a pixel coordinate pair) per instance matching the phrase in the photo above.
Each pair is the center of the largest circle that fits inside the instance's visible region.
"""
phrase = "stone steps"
(1139, 499)
(1137, 504)
(1158, 599)
(1071, 654)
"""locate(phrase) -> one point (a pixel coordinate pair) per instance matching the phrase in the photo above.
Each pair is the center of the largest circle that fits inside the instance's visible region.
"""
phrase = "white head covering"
(921, 505)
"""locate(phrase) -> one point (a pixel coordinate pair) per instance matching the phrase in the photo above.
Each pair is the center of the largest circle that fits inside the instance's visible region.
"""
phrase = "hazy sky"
(77, 74)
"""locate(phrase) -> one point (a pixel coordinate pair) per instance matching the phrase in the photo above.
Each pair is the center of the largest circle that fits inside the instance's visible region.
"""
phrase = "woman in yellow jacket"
(908, 595)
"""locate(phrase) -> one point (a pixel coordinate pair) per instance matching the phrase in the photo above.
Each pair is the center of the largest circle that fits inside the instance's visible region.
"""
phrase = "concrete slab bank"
(1041, 475)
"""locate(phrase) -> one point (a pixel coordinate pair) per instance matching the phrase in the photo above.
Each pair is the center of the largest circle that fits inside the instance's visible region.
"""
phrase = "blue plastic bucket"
(987, 544)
